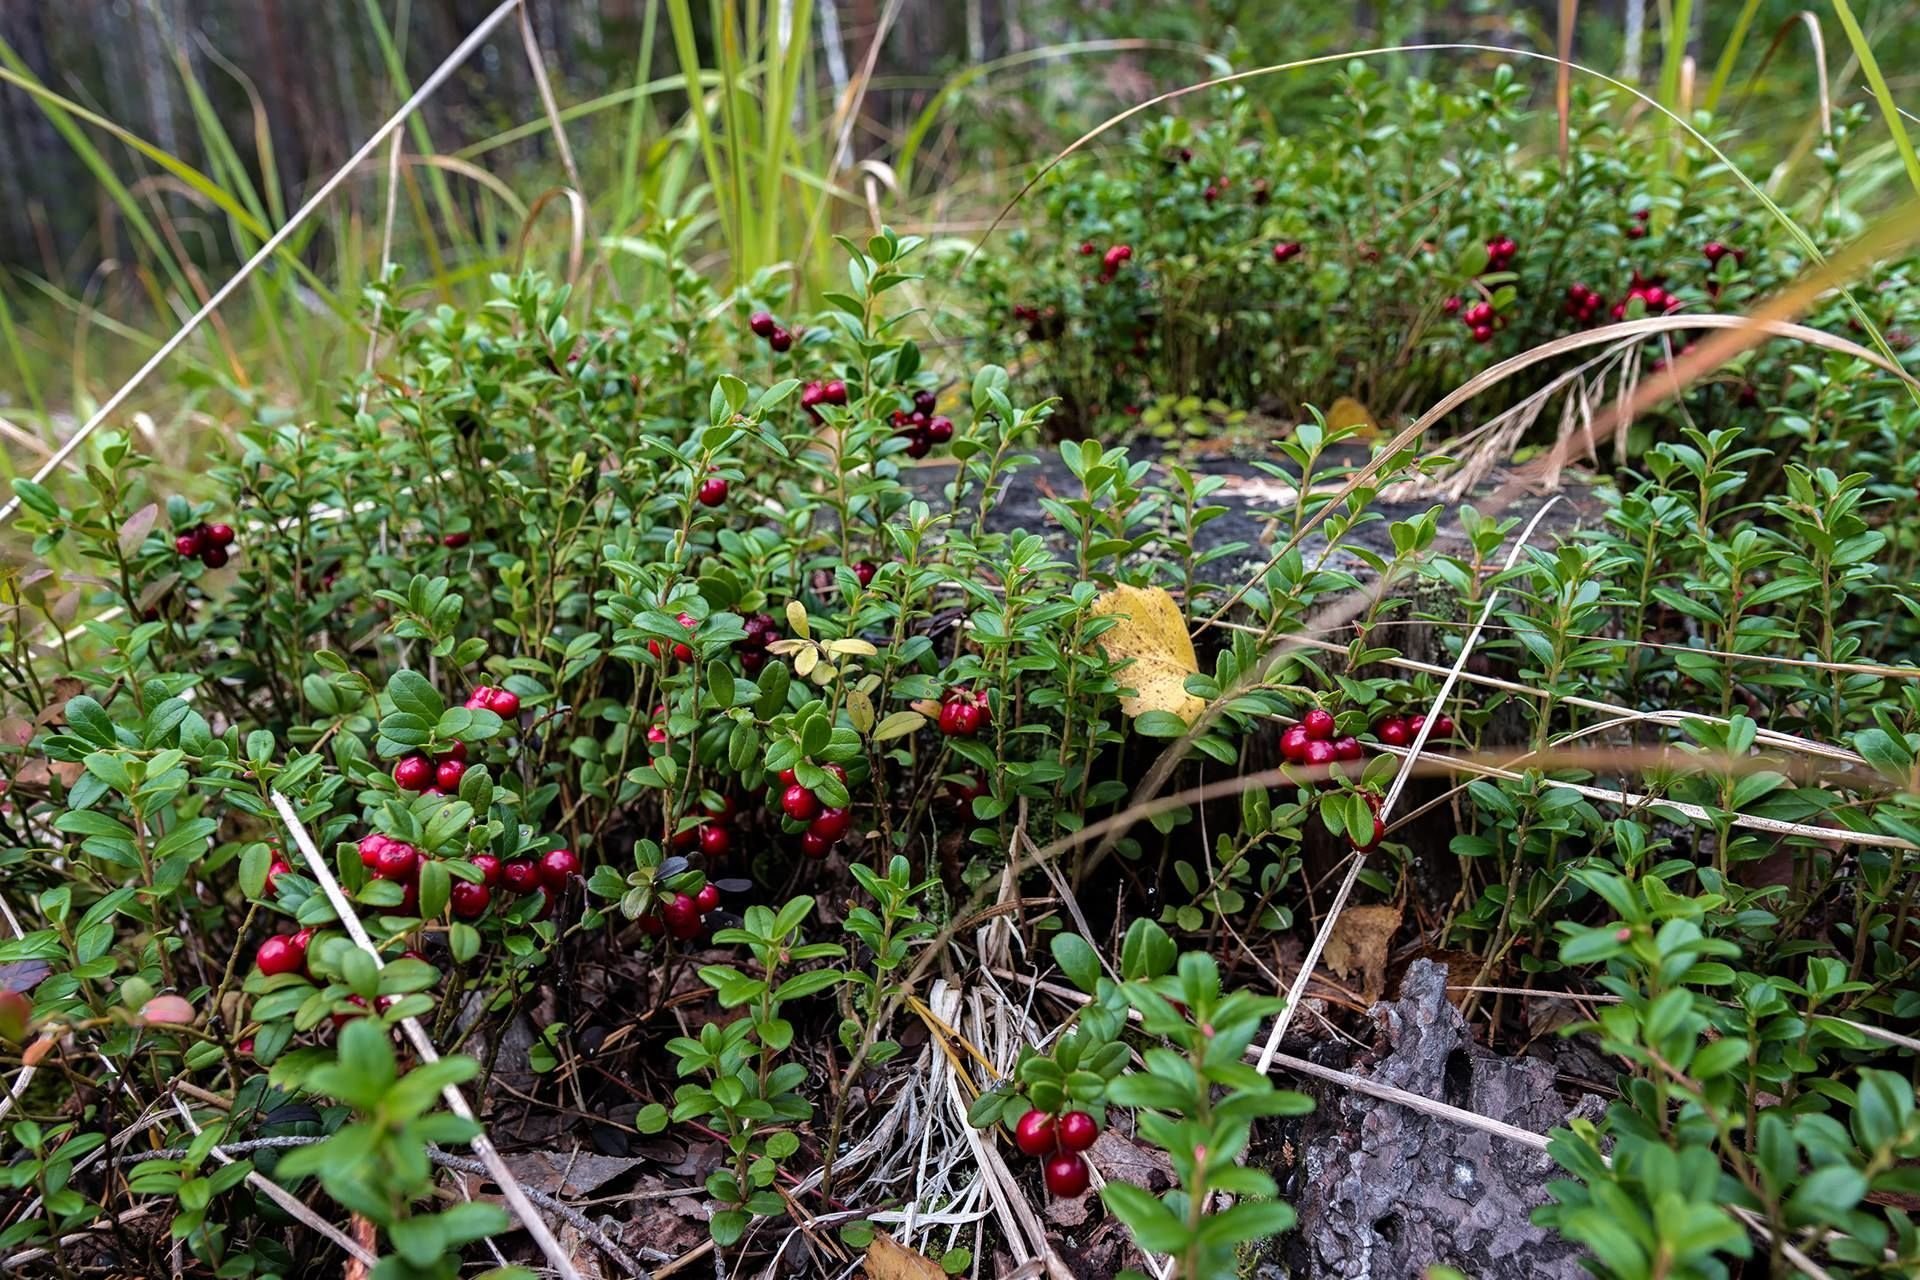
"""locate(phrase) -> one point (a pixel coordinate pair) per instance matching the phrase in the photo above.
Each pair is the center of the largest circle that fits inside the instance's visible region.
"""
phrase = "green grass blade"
(1889, 109)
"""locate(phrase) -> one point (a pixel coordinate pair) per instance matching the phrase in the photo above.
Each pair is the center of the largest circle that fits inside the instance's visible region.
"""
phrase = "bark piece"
(1384, 1192)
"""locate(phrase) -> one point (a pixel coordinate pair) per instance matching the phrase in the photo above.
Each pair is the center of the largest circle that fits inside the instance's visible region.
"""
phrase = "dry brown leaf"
(1357, 947)
(1153, 633)
(888, 1259)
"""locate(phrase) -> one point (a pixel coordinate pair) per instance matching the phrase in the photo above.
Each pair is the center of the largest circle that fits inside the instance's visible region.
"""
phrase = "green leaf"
(1078, 960)
(1154, 1226)
(1159, 724)
(36, 499)
(412, 693)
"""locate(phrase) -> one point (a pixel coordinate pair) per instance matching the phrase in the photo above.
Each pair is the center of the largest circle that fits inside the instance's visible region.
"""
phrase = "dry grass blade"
(538, 66)
(456, 1101)
(1768, 737)
(1312, 960)
(576, 244)
(1893, 233)
(267, 250)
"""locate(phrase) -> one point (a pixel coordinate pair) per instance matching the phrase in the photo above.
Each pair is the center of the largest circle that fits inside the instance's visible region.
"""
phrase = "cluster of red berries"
(682, 651)
(1061, 1141)
(1583, 304)
(208, 542)
(504, 703)
(1480, 318)
(283, 953)
(761, 632)
(1652, 295)
(714, 837)
(833, 391)
(398, 861)
(433, 777)
(765, 326)
(825, 825)
(1216, 188)
(684, 915)
(1286, 251)
(1042, 322)
(922, 427)
(1398, 731)
(1110, 261)
(1312, 742)
(964, 713)
(1637, 229)
(1500, 253)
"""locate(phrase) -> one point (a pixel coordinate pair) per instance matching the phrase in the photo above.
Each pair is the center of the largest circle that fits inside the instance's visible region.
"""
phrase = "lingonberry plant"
(680, 694)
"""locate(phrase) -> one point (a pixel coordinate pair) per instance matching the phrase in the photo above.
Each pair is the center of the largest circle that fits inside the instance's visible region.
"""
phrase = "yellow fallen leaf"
(1348, 412)
(888, 1259)
(1153, 633)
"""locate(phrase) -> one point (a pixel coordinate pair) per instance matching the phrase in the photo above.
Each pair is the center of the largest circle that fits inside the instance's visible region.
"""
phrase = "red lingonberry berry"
(370, 846)
(924, 401)
(682, 916)
(1379, 834)
(762, 324)
(413, 773)
(780, 339)
(799, 803)
(1033, 1133)
(187, 544)
(454, 541)
(489, 868)
(1319, 752)
(220, 535)
(1066, 1176)
(469, 899)
(1451, 305)
(1286, 251)
(447, 775)
(278, 955)
(815, 846)
(713, 491)
(832, 823)
(214, 557)
(1443, 726)
(275, 870)
(398, 861)
(520, 876)
(715, 840)
(708, 898)
(1293, 744)
(1347, 748)
(835, 392)
(863, 572)
(557, 866)
(1392, 731)
(1318, 722)
(939, 429)
(1077, 1130)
